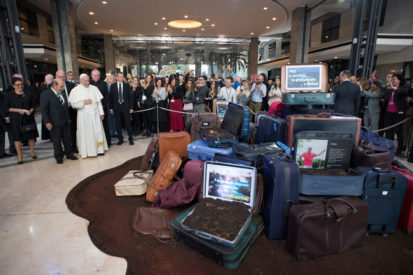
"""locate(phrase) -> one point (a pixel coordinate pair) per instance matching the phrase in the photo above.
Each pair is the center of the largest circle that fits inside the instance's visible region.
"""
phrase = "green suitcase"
(308, 98)
(229, 257)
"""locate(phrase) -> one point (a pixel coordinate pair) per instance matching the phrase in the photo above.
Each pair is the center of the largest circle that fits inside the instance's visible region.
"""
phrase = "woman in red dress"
(175, 94)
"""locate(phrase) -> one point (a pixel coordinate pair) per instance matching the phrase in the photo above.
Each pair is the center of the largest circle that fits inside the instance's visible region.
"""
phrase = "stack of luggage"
(318, 181)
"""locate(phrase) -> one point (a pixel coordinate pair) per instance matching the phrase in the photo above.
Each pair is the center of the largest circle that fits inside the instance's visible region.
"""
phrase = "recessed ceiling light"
(252, 33)
(163, 18)
(202, 29)
(46, 59)
(274, 18)
(212, 25)
(96, 22)
(335, 57)
(207, 19)
(91, 13)
(111, 30)
(104, 2)
(267, 27)
(185, 24)
(265, 8)
(165, 29)
(156, 23)
(185, 16)
(184, 30)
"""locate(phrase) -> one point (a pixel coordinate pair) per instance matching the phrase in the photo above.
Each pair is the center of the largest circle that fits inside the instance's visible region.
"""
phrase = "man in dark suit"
(55, 112)
(73, 112)
(348, 96)
(102, 86)
(120, 105)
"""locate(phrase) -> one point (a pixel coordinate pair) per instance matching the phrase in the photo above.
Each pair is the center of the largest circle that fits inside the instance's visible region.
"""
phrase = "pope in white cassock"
(90, 136)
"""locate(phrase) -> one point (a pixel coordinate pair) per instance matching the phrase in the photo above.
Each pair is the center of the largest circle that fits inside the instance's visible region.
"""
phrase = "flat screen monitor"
(304, 78)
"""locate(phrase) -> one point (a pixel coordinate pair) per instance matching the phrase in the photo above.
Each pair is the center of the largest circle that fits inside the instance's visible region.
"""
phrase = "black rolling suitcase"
(384, 191)
(255, 152)
(270, 129)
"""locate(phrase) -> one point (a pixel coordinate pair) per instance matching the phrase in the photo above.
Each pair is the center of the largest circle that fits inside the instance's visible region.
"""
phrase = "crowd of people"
(85, 115)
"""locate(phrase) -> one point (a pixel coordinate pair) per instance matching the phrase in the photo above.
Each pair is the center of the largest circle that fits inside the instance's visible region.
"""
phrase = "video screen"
(230, 182)
(298, 78)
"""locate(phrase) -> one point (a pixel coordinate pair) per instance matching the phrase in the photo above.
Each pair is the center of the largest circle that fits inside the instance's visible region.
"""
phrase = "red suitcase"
(406, 214)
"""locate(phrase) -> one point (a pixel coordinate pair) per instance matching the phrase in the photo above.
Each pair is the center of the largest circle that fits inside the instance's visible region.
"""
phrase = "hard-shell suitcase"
(270, 129)
(199, 150)
(202, 120)
(406, 214)
(384, 191)
(323, 122)
(308, 99)
(258, 114)
(229, 257)
(281, 183)
(164, 175)
(255, 152)
(326, 227)
(176, 141)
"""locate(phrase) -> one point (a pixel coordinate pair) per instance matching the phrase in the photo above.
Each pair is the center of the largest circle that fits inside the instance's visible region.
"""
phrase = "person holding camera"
(257, 93)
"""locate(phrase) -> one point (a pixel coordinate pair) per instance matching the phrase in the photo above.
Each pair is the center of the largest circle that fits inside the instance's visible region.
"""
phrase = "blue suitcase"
(384, 191)
(270, 129)
(199, 150)
(281, 183)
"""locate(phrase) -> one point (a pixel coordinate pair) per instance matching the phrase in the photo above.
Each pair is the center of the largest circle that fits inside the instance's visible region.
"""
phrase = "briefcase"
(134, 183)
(308, 99)
(326, 227)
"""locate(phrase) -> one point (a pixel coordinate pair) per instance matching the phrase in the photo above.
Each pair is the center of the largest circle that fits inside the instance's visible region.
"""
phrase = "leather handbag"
(177, 194)
(28, 128)
(154, 221)
(164, 175)
(326, 227)
(134, 183)
(368, 154)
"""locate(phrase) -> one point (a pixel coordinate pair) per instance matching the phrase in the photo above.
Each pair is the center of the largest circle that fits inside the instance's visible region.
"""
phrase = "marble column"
(65, 36)
(300, 35)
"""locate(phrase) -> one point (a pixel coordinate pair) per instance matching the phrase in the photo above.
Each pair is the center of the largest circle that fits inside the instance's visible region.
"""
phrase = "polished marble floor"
(38, 234)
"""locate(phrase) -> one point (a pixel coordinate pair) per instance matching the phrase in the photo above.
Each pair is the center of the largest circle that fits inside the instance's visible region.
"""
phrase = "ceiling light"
(165, 29)
(111, 30)
(184, 30)
(335, 57)
(185, 16)
(252, 33)
(91, 13)
(207, 19)
(202, 29)
(46, 59)
(104, 2)
(212, 25)
(96, 22)
(265, 8)
(274, 18)
(163, 18)
(267, 27)
(156, 23)
(185, 24)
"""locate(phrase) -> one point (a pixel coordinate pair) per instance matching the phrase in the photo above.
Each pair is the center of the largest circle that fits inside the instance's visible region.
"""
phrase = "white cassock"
(90, 135)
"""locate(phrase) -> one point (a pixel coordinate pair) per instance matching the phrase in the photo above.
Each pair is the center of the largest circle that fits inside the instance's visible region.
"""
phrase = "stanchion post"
(157, 118)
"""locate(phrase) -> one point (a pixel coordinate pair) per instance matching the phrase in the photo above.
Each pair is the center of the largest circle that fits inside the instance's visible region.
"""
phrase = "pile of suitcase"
(313, 193)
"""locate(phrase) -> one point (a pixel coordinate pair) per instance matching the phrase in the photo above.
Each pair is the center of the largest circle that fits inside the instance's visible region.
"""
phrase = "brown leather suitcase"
(323, 122)
(326, 227)
(202, 120)
(176, 141)
(163, 177)
(148, 158)
(370, 155)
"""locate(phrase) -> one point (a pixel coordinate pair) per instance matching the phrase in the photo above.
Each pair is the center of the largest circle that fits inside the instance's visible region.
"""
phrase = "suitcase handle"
(324, 114)
(310, 99)
(383, 178)
(339, 210)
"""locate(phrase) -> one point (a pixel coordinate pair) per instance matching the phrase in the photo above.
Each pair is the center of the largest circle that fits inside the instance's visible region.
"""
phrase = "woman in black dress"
(20, 108)
(136, 105)
(148, 102)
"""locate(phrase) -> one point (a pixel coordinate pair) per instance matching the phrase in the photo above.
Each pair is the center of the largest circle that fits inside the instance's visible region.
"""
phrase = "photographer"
(257, 93)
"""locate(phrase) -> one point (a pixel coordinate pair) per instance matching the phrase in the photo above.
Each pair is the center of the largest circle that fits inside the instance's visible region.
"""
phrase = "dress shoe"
(72, 157)
(20, 162)
(120, 142)
(75, 150)
(131, 142)
(34, 157)
(59, 161)
(101, 154)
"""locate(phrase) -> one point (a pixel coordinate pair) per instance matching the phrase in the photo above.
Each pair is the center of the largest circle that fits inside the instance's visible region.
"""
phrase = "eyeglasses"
(18, 85)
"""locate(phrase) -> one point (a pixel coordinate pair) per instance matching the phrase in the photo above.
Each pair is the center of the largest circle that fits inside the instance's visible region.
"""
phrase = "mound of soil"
(220, 218)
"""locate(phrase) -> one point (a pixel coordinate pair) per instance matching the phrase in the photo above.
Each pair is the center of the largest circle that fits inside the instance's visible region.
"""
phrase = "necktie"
(59, 96)
(120, 94)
